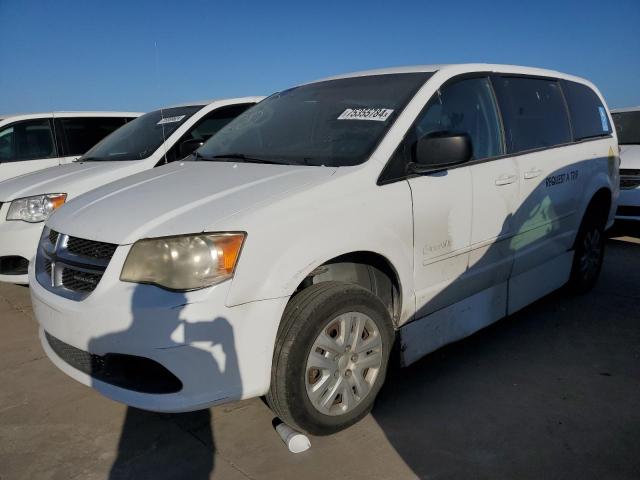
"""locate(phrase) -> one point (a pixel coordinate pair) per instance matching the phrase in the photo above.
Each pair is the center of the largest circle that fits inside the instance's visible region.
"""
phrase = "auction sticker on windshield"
(377, 114)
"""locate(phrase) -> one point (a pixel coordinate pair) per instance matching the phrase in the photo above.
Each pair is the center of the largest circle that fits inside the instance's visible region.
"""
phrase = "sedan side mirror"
(441, 150)
(189, 146)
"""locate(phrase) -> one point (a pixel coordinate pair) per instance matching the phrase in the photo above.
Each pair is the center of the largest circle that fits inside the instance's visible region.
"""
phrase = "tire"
(323, 314)
(589, 251)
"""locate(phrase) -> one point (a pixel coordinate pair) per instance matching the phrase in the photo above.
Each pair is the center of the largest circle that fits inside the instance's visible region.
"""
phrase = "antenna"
(57, 144)
(164, 139)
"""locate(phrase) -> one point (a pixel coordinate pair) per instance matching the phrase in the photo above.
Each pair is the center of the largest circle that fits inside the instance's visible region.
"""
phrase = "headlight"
(185, 262)
(35, 209)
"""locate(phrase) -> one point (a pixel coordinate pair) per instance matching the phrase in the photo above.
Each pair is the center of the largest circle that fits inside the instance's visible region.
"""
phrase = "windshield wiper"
(89, 159)
(244, 158)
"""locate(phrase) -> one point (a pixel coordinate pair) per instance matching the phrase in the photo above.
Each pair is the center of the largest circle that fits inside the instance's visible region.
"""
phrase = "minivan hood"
(179, 198)
(73, 179)
(630, 156)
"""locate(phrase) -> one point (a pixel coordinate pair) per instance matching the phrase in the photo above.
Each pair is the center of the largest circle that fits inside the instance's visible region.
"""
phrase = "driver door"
(448, 206)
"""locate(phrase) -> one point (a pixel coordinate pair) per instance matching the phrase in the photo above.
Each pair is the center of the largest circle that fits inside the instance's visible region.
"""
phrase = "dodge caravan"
(154, 139)
(41, 140)
(627, 122)
(288, 255)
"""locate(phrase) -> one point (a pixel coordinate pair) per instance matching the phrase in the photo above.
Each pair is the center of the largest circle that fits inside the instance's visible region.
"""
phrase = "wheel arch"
(600, 202)
(598, 191)
(368, 269)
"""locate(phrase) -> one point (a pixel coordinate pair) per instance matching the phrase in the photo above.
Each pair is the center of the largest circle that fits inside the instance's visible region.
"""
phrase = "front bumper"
(629, 204)
(18, 239)
(218, 353)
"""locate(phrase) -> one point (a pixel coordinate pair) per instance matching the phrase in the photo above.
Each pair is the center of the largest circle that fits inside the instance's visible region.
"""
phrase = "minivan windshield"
(333, 123)
(627, 127)
(141, 137)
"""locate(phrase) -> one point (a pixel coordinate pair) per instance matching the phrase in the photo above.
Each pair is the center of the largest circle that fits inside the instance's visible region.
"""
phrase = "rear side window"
(82, 133)
(588, 115)
(27, 140)
(628, 127)
(534, 113)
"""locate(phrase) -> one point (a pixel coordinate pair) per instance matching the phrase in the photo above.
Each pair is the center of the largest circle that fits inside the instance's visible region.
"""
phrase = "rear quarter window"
(533, 111)
(588, 116)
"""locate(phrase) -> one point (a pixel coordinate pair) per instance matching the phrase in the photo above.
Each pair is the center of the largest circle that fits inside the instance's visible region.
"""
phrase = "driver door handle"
(532, 173)
(506, 179)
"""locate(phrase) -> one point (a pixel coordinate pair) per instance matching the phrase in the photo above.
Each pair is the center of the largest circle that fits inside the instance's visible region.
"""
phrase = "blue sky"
(139, 55)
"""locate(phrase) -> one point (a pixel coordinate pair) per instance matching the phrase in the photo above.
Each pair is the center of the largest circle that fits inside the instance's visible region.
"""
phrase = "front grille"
(91, 249)
(138, 374)
(53, 237)
(623, 211)
(71, 266)
(80, 281)
(14, 265)
(629, 178)
(629, 183)
(47, 267)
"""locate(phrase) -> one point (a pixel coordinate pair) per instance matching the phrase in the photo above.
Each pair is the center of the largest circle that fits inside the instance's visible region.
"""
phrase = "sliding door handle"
(506, 179)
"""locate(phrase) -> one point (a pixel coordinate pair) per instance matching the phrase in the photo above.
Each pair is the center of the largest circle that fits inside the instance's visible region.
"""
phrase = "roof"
(228, 101)
(62, 114)
(470, 67)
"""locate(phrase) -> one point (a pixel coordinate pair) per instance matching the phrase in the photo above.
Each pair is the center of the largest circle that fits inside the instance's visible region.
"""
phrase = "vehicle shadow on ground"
(549, 391)
(154, 445)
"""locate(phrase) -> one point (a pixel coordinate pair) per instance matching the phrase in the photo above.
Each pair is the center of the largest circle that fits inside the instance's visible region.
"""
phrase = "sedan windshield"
(333, 123)
(141, 137)
(627, 127)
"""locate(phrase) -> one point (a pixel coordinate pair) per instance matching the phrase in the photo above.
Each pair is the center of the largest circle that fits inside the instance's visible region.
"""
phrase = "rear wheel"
(330, 358)
(589, 251)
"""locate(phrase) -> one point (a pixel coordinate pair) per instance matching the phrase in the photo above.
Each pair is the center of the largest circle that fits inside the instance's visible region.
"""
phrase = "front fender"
(286, 241)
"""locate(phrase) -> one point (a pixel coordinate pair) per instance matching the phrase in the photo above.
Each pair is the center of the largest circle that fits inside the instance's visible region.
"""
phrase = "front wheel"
(330, 357)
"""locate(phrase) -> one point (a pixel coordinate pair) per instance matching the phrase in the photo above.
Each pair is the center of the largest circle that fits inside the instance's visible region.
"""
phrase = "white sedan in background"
(627, 122)
(154, 139)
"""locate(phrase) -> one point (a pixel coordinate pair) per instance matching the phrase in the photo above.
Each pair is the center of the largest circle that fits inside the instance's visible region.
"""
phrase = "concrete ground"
(551, 392)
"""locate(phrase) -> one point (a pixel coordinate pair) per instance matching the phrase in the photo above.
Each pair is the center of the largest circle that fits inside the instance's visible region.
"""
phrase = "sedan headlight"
(185, 262)
(35, 209)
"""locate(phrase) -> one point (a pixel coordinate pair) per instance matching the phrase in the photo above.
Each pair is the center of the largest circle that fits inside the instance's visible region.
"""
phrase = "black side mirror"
(440, 150)
(189, 146)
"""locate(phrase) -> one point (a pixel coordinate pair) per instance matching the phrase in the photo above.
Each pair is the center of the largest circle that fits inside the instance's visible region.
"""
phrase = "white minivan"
(627, 123)
(37, 141)
(156, 138)
(407, 206)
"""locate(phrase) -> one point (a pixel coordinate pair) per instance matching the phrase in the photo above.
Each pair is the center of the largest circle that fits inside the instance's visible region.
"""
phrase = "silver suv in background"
(627, 122)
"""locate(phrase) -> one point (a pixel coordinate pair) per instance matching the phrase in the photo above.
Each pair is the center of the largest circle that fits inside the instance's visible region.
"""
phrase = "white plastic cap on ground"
(295, 441)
